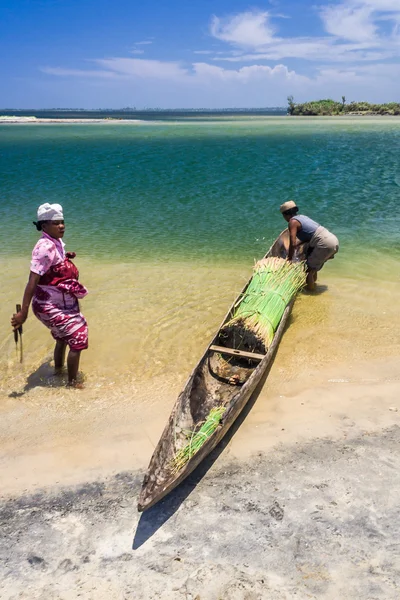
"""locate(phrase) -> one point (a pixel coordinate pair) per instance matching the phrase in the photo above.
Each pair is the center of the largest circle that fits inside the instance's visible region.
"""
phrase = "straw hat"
(287, 206)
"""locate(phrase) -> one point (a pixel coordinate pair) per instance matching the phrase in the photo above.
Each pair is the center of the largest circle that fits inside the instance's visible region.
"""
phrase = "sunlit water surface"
(167, 219)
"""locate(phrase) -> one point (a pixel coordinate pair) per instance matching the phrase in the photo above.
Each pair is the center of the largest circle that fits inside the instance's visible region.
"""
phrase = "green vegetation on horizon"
(330, 107)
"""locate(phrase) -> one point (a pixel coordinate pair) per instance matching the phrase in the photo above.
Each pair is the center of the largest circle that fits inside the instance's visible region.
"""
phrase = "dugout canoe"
(225, 376)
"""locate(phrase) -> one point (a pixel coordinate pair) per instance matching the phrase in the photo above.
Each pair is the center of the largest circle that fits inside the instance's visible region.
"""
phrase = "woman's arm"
(294, 226)
(21, 316)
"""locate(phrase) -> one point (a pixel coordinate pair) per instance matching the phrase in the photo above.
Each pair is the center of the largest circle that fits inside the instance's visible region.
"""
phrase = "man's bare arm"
(294, 226)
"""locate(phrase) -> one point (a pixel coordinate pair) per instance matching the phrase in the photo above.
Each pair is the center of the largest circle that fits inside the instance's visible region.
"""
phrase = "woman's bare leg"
(59, 355)
(73, 367)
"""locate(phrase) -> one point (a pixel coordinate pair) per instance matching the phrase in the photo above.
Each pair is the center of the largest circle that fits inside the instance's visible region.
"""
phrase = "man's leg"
(311, 279)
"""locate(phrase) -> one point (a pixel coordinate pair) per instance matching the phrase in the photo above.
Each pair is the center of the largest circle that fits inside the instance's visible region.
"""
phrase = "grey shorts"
(323, 246)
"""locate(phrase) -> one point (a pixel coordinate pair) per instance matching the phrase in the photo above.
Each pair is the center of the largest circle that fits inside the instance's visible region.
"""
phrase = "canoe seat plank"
(234, 352)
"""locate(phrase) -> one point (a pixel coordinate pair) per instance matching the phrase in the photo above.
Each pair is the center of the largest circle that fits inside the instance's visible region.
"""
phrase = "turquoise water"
(199, 191)
(150, 207)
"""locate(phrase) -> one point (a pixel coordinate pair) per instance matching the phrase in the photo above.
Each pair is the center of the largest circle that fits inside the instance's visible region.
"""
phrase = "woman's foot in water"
(77, 385)
(73, 366)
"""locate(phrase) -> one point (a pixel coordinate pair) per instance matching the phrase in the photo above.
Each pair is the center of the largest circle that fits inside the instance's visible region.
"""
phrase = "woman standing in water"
(322, 244)
(54, 290)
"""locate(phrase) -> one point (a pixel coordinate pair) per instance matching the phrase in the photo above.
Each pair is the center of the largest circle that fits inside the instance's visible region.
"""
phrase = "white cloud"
(351, 23)
(137, 51)
(249, 29)
(372, 72)
(312, 50)
(245, 74)
(353, 34)
(381, 5)
(338, 75)
(138, 67)
(348, 60)
(202, 84)
(134, 68)
(144, 43)
(61, 72)
(359, 20)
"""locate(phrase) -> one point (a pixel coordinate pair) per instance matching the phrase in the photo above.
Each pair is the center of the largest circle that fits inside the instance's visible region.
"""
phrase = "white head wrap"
(50, 212)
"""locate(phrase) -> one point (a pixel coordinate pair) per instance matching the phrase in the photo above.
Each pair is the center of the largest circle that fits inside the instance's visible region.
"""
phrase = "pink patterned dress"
(55, 302)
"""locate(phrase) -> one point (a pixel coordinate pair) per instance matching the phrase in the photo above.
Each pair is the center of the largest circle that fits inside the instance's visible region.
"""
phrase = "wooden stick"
(16, 332)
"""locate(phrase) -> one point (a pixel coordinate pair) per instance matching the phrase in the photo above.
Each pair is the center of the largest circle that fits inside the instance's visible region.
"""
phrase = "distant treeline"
(330, 107)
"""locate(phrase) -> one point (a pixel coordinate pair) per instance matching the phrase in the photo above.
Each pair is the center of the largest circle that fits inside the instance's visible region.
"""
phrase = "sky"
(196, 53)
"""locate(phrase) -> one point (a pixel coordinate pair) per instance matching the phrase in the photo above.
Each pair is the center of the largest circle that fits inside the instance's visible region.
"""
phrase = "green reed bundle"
(196, 439)
(274, 283)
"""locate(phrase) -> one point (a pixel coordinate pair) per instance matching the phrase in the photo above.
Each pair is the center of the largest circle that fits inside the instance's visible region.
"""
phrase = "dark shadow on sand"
(44, 376)
(155, 517)
(319, 289)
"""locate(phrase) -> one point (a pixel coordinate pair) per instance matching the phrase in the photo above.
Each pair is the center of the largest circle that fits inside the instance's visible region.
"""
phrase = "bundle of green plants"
(274, 284)
(196, 439)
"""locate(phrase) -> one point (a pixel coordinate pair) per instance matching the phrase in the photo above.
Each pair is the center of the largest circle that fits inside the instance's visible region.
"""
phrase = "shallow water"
(167, 220)
(154, 321)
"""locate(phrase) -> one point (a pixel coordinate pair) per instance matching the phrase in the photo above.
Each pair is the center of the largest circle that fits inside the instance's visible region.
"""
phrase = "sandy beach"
(44, 121)
(300, 497)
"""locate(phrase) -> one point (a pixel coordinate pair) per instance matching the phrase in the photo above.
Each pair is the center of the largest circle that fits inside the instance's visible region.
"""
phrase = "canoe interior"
(218, 380)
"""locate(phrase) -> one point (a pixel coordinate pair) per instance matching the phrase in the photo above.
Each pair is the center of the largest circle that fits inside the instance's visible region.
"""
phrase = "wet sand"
(82, 436)
(300, 499)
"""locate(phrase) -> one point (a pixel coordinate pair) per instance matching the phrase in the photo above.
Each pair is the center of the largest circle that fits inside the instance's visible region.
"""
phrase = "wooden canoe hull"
(157, 482)
(230, 417)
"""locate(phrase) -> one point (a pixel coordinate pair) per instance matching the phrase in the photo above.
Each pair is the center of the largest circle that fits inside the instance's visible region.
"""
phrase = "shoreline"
(192, 120)
(132, 384)
(49, 436)
(337, 323)
(35, 120)
(346, 115)
(300, 499)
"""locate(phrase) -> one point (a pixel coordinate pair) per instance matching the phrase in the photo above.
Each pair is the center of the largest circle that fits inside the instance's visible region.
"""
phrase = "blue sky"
(198, 53)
